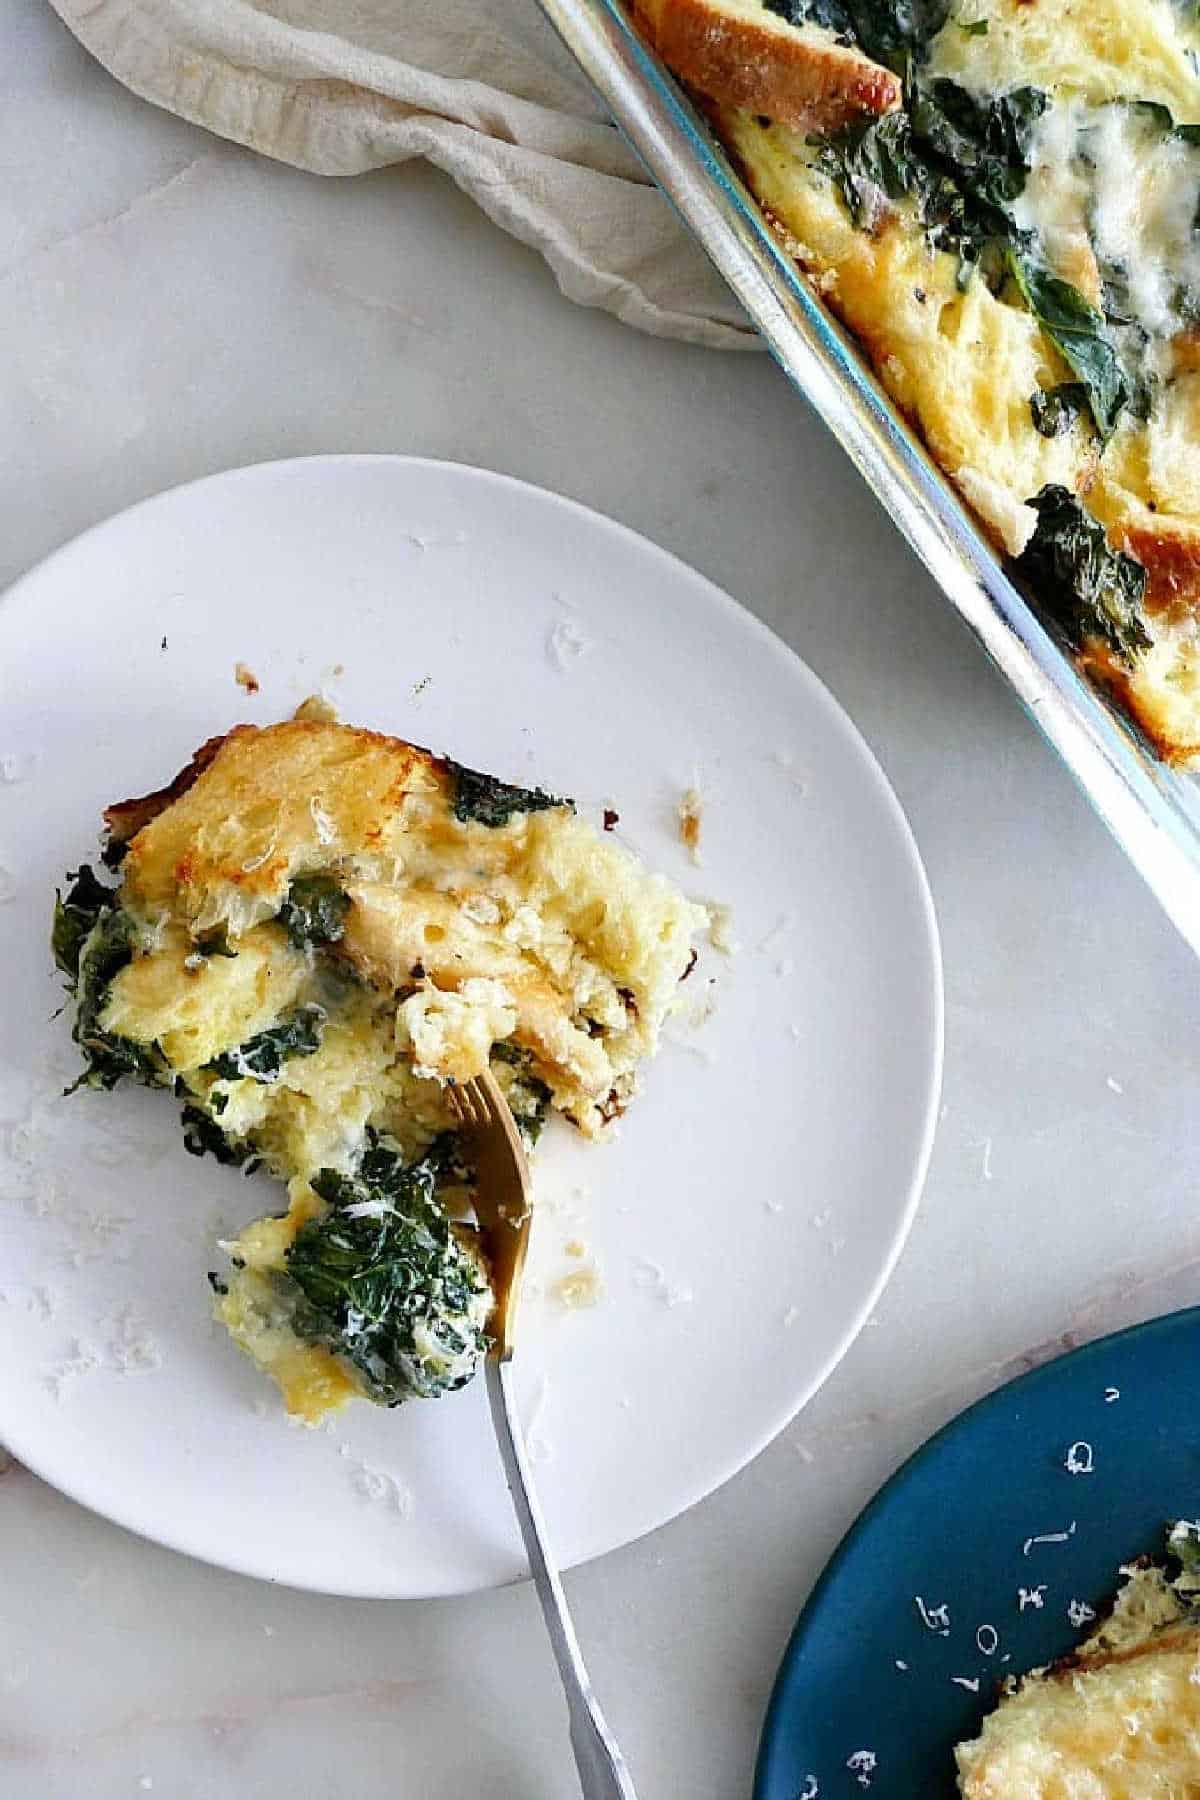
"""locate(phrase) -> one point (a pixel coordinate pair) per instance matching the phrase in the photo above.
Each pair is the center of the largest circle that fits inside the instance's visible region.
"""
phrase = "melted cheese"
(1108, 175)
(1099, 49)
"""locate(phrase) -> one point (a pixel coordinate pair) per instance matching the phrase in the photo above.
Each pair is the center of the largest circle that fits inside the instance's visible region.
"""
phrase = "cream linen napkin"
(482, 88)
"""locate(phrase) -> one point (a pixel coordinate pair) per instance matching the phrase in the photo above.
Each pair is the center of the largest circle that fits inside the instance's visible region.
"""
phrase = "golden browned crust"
(1172, 562)
(240, 814)
(1163, 1642)
(779, 71)
(125, 818)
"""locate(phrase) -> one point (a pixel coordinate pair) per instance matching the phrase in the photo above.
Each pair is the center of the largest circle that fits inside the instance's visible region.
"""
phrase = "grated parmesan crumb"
(934, 1618)
(565, 645)
(581, 1288)
(246, 679)
(862, 1764)
(720, 927)
(1080, 1459)
(689, 812)
(318, 707)
(376, 1486)
(650, 1276)
(1049, 1537)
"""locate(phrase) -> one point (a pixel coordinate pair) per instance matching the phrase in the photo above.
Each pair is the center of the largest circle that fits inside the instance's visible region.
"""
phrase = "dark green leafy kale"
(892, 32)
(482, 800)
(1090, 589)
(832, 14)
(1079, 334)
(75, 917)
(314, 911)
(1160, 118)
(386, 1283)
(1183, 1546)
(527, 1095)
(1056, 409)
(261, 1057)
(963, 162)
(215, 943)
(203, 1137)
(92, 940)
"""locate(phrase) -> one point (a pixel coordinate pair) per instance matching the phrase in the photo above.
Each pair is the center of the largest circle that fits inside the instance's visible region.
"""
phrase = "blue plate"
(968, 1565)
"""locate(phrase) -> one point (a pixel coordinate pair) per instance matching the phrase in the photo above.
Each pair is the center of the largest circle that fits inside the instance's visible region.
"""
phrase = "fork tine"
(480, 1102)
(469, 1105)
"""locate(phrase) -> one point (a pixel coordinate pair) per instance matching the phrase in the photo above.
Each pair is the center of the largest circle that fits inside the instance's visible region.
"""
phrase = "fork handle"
(602, 1771)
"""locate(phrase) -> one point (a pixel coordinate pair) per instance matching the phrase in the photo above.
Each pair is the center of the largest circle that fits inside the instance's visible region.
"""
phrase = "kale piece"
(892, 32)
(92, 940)
(75, 917)
(963, 161)
(527, 1095)
(1056, 409)
(386, 1282)
(1183, 1547)
(482, 800)
(1090, 589)
(262, 1057)
(202, 1136)
(1079, 333)
(215, 943)
(314, 911)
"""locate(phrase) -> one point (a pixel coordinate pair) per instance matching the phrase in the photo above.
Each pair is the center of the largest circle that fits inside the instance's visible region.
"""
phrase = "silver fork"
(504, 1212)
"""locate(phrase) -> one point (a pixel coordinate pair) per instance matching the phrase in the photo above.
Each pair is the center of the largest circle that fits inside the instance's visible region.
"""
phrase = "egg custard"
(315, 930)
(1119, 1719)
(1001, 198)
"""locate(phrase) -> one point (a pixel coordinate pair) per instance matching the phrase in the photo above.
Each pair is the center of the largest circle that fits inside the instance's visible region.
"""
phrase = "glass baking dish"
(1152, 810)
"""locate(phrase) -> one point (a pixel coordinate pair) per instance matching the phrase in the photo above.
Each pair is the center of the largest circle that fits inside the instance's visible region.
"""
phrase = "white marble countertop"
(171, 306)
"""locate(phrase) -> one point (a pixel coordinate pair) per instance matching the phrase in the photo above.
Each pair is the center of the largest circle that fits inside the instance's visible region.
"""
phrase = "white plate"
(759, 1192)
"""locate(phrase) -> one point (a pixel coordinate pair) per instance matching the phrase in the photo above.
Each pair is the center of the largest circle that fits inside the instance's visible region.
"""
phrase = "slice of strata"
(316, 929)
(1119, 1719)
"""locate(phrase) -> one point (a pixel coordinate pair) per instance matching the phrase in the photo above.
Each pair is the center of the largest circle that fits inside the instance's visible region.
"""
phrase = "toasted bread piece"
(738, 53)
(544, 930)
(1118, 1721)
